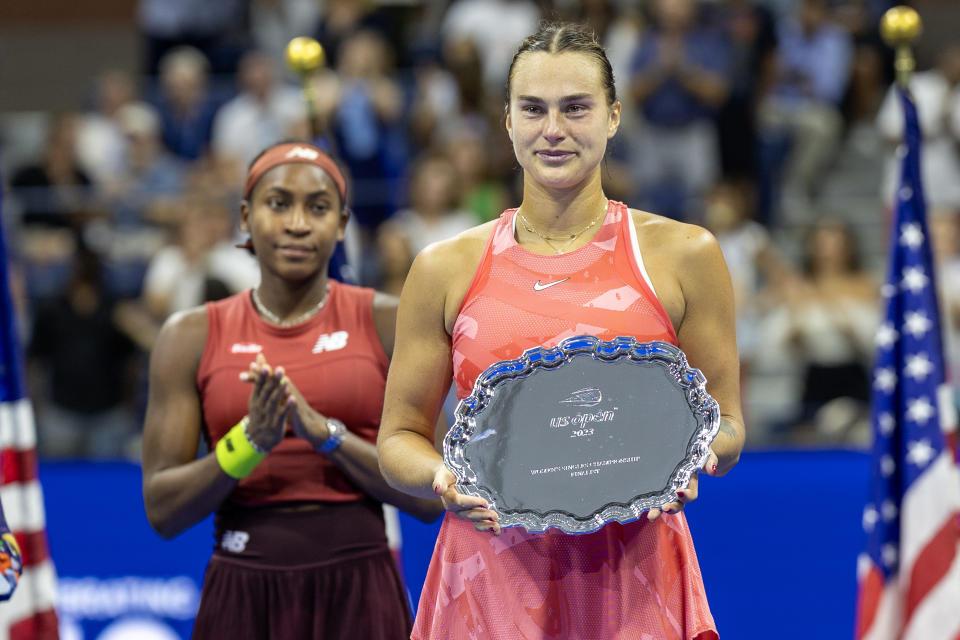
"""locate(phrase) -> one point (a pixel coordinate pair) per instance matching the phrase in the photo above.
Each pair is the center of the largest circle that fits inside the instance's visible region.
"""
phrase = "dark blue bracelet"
(336, 430)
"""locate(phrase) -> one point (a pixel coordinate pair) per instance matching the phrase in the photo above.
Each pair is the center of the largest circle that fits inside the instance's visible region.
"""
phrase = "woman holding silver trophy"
(565, 263)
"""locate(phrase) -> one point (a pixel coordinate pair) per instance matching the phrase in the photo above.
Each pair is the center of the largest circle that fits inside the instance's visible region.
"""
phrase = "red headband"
(295, 152)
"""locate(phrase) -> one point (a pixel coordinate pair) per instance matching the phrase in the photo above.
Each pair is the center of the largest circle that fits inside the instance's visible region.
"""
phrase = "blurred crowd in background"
(770, 122)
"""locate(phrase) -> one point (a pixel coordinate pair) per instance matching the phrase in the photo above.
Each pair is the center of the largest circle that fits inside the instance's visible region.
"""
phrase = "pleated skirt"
(320, 573)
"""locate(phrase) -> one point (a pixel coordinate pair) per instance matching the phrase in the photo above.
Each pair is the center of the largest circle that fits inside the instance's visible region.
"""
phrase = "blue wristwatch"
(336, 430)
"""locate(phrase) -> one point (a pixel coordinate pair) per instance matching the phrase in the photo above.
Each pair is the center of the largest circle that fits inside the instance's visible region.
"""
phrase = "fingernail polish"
(681, 494)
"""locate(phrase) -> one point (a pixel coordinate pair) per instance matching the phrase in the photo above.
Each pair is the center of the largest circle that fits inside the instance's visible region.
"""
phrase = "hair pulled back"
(561, 37)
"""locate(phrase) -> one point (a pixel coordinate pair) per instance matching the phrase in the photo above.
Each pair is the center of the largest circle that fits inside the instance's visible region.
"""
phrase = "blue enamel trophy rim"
(704, 408)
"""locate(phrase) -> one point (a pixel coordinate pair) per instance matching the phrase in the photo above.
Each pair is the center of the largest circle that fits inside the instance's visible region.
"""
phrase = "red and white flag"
(909, 574)
(29, 614)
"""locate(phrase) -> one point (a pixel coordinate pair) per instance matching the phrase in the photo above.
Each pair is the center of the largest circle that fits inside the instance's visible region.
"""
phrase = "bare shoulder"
(188, 324)
(683, 249)
(182, 339)
(683, 260)
(678, 238)
(442, 272)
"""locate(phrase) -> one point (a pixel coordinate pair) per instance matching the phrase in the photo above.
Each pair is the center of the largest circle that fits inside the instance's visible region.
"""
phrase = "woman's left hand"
(688, 493)
(305, 421)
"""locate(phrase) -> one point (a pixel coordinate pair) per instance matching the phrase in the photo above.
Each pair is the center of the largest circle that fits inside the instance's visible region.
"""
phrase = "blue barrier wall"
(777, 540)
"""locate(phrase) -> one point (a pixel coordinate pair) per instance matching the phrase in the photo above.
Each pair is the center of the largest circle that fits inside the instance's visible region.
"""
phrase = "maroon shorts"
(321, 573)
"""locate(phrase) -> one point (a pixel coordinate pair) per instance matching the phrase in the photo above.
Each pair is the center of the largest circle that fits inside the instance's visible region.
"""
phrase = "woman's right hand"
(472, 508)
(270, 403)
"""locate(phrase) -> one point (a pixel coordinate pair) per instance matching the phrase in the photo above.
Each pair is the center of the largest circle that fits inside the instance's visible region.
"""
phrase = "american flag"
(29, 614)
(909, 575)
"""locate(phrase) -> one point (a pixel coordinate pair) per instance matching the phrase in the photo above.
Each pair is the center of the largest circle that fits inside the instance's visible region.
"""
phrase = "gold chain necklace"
(570, 240)
(275, 319)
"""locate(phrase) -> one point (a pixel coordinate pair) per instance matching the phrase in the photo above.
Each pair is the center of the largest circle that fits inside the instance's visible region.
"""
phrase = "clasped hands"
(478, 511)
(275, 402)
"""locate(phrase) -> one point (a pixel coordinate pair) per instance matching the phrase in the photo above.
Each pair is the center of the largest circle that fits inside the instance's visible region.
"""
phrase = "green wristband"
(236, 454)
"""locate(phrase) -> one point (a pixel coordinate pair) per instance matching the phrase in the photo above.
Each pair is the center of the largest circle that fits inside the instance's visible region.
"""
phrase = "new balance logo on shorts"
(331, 341)
(234, 541)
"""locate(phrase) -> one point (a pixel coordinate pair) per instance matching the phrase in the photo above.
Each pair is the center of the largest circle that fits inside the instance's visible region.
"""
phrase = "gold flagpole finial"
(900, 27)
(305, 56)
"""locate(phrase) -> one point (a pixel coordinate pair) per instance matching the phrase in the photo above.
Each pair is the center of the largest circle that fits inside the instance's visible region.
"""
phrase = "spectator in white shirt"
(202, 264)
(433, 214)
(497, 27)
(100, 138)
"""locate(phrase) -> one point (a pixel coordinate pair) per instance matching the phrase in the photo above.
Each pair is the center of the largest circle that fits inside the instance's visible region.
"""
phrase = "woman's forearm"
(409, 462)
(728, 444)
(179, 497)
(357, 458)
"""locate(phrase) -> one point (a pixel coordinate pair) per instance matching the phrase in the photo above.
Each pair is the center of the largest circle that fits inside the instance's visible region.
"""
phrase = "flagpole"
(909, 573)
(900, 27)
(305, 56)
(31, 610)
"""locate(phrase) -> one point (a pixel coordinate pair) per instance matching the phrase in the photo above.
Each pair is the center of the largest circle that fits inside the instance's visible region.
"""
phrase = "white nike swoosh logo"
(540, 287)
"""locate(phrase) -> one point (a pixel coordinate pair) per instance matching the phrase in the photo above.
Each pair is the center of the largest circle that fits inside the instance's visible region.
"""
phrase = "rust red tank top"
(336, 361)
(639, 581)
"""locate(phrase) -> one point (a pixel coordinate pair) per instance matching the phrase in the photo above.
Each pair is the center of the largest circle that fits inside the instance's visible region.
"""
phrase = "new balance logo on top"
(303, 152)
(234, 541)
(246, 347)
(331, 341)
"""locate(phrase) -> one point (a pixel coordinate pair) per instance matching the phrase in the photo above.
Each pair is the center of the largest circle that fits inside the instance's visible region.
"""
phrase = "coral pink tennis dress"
(638, 581)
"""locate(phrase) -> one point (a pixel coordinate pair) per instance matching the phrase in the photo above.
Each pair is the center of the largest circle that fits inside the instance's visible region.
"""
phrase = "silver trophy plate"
(585, 433)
